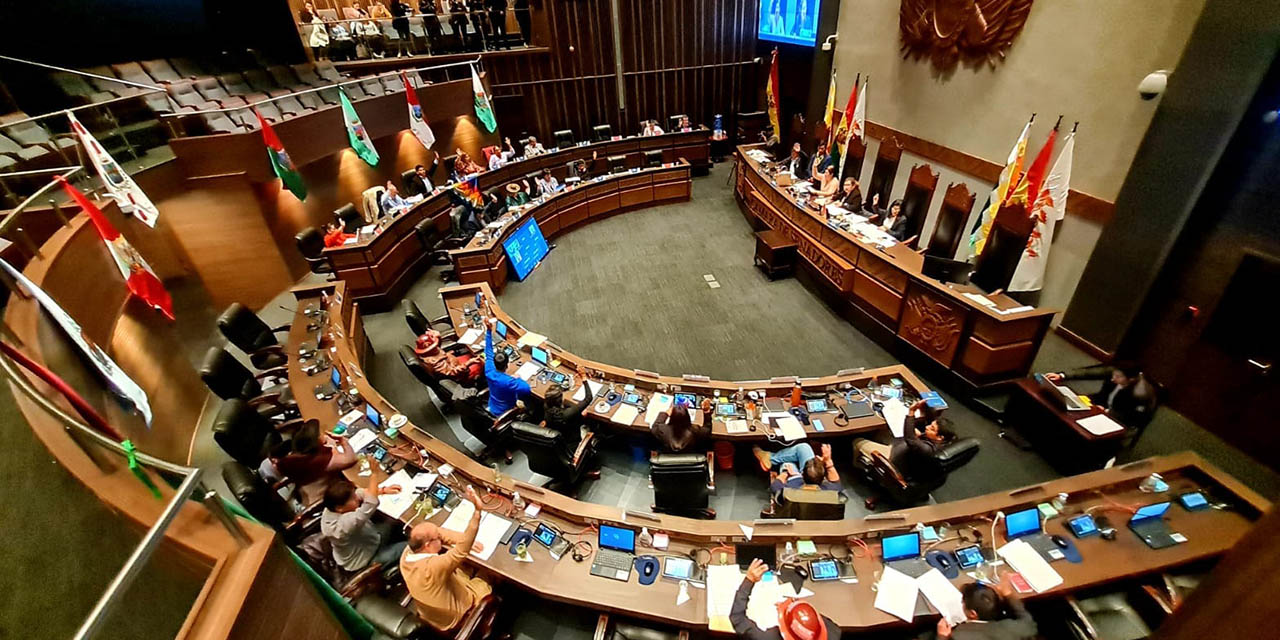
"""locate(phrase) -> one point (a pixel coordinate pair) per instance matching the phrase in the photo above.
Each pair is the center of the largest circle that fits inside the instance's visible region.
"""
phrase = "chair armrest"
(580, 455)
(278, 372)
(958, 453)
(357, 584)
(883, 462)
(504, 420)
(284, 328)
(711, 470)
(602, 627)
(479, 622)
(1082, 618)
(290, 425)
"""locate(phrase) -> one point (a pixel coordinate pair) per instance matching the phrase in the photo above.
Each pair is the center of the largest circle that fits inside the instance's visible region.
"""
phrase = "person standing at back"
(400, 22)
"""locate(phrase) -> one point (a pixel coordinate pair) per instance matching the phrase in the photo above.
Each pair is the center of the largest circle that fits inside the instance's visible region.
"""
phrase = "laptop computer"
(615, 553)
(1148, 523)
(856, 409)
(1060, 396)
(903, 553)
(1026, 525)
(745, 553)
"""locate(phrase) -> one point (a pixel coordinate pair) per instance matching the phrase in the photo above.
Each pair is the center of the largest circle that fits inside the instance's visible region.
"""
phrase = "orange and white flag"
(1049, 207)
(119, 185)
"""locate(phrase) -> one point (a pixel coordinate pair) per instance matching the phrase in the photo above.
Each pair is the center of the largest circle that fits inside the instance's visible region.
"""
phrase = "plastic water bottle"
(517, 501)
(646, 538)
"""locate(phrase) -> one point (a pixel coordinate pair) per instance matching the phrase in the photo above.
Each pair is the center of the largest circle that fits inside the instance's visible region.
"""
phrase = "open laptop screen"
(617, 538)
(1150, 511)
(1022, 523)
(502, 329)
(901, 547)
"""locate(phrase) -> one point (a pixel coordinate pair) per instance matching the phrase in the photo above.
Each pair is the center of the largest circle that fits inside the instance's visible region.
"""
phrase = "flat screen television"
(789, 21)
(525, 248)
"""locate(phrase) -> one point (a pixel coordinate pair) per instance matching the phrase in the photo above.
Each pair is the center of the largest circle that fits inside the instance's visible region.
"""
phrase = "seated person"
(494, 158)
(914, 455)
(508, 149)
(516, 196)
(442, 590)
(493, 208)
(890, 220)
(651, 128)
(334, 236)
(463, 165)
(504, 389)
(797, 619)
(797, 164)
(1125, 393)
(675, 432)
(827, 185)
(685, 125)
(463, 369)
(346, 522)
(420, 181)
(850, 196)
(821, 160)
(533, 148)
(581, 169)
(994, 614)
(565, 420)
(311, 460)
(392, 203)
(547, 183)
(798, 468)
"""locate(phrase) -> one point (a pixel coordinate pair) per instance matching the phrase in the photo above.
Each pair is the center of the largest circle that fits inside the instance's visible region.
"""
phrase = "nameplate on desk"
(851, 372)
(644, 374)
(784, 380)
(696, 378)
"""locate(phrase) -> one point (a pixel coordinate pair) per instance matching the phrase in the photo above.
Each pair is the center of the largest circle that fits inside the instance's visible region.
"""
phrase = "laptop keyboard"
(611, 559)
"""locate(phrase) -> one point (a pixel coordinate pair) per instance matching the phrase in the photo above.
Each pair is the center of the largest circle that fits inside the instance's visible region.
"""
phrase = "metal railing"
(191, 486)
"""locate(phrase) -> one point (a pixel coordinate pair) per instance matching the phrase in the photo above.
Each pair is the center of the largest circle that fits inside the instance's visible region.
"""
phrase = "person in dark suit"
(431, 23)
(851, 195)
(797, 619)
(914, 455)
(524, 20)
(498, 23)
(420, 181)
(797, 163)
(675, 432)
(400, 22)
(821, 160)
(891, 220)
(1125, 393)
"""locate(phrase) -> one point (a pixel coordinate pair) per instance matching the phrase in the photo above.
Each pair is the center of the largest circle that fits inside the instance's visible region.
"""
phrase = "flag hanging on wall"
(356, 133)
(120, 383)
(417, 122)
(840, 136)
(1008, 177)
(772, 96)
(142, 281)
(280, 162)
(1049, 207)
(857, 122)
(829, 113)
(484, 108)
(119, 185)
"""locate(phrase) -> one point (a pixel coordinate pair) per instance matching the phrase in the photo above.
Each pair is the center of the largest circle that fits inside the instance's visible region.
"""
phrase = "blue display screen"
(789, 21)
(824, 570)
(1022, 523)
(1151, 511)
(617, 538)
(546, 535)
(815, 406)
(502, 329)
(373, 415)
(969, 556)
(899, 547)
(1083, 526)
(726, 409)
(336, 378)
(441, 493)
(526, 248)
(687, 399)
(1193, 500)
(539, 355)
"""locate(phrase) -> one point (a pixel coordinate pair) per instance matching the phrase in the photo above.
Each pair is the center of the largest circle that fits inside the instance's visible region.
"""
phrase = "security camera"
(826, 44)
(1153, 85)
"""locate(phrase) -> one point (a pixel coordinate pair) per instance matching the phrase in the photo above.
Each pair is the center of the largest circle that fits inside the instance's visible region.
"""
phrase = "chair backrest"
(406, 184)
(411, 362)
(414, 317)
(673, 122)
(539, 443)
(132, 72)
(392, 84)
(563, 138)
(160, 70)
(256, 496)
(349, 217)
(184, 93)
(235, 83)
(473, 410)
(72, 84)
(226, 377)
(284, 76)
(601, 132)
(242, 432)
(679, 481)
(810, 504)
(310, 243)
(371, 87)
(27, 133)
(307, 73)
(653, 158)
(186, 67)
(243, 328)
(209, 88)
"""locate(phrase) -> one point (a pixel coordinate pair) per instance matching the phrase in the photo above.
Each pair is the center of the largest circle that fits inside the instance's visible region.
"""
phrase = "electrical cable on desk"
(866, 549)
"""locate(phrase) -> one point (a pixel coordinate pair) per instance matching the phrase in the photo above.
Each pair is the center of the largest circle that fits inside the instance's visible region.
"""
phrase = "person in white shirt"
(547, 183)
(651, 128)
(495, 158)
(345, 521)
(685, 125)
(392, 203)
(533, 148)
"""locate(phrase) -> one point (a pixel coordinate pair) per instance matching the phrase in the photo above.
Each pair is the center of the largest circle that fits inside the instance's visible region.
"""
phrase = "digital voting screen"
(526, 248)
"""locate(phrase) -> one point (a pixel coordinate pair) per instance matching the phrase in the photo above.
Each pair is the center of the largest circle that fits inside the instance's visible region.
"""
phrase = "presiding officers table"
(978, 343)
(1209, 533)
(379, 268)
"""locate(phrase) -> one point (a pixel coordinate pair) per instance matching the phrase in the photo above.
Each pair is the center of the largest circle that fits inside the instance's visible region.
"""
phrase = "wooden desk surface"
(1209, 533)
(455, 298)
(1032, 390)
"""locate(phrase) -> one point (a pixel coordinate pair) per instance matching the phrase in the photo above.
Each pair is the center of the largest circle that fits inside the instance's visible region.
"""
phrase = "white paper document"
(461, 515)
(736, 426)
(362, 439)
(492, 527)
(593, 385)
(790, 428)
(395, 504)
(625, 414)
(895, 413)
(896, 594)
(1026, 560)
(1100, 424)
(943, 595)
(424, 480)
(659, 403)
(531, 339)
(528, 370)
(722, 585)
(762, 605)
(470, 336)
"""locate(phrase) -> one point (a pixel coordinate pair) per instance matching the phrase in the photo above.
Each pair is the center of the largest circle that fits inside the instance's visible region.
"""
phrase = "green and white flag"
(484, 108)
(355, 132)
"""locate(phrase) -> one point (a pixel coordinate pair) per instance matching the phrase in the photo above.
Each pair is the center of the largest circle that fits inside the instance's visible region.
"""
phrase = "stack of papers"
(528, 370)
(1100, 424)
(1026, 560)
(790, 428)
(395, 504)
(659, 403)
(896, 594)
(722, 585)
(980, 299)
(943, 595)
(531, 339)
(362, 439)
(625, 415)
(736, 426)
(594, 386)
(895, 413)
(762, 606)
(492, 527)
(470, 336)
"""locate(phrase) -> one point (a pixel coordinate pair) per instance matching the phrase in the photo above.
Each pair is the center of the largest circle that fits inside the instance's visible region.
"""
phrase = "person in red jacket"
(334, 236)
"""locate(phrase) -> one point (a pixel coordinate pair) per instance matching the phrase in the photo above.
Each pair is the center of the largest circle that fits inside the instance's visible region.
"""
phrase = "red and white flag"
(119, 185)
(1049, 207)
(417, 122)
(142, 281)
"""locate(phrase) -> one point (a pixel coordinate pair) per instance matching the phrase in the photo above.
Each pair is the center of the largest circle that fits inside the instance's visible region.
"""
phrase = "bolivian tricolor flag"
(773, 96)
(1008, 177)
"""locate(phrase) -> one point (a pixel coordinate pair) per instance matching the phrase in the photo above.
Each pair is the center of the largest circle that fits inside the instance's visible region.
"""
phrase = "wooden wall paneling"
(283, 604)
(957, 202)
(856, 151)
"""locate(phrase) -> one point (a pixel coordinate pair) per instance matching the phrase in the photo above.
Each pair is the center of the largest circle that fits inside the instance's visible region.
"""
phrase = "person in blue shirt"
(504, 389)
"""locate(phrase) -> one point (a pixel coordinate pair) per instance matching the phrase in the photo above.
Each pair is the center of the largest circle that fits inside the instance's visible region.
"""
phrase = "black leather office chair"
(389, 618)
(317, 551)
(601, 132)
(810, 504)
(617, 164)
(446, 390)
(244, 329)
(563, 138)
(609, 627)
(547, 458)
(493, 431)
(653, 158)
(350, 217)
(878, 472)
(228, 379)
(1111, 616)
(419, 323)
(682, 484)
(257, 497)
(311, 245)
(406, 186)
(673, 122)
(245, 434)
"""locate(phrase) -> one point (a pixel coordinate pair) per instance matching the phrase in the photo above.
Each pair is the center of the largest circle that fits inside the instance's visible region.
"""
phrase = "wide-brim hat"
(427, 343)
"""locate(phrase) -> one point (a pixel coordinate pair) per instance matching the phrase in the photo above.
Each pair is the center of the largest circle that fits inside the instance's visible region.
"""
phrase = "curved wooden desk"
(977, 343)
(1209, 533)
(379, 269)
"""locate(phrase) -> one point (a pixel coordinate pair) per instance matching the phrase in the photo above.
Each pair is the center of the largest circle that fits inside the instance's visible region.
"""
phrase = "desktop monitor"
(617, 538)
(526, 248)
(901, 547)
(1150, 511)
(617, 164)
(789, 21)
(539, 356)
(601, 132)
(946, 270)
(653, 158)
(1022, 523)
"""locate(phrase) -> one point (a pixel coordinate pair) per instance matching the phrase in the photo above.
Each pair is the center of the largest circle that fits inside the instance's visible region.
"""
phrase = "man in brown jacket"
(443, 591)
(465, 369)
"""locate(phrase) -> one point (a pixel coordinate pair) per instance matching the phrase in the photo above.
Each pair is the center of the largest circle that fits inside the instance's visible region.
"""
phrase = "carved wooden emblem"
(951, 31)
(931, 325)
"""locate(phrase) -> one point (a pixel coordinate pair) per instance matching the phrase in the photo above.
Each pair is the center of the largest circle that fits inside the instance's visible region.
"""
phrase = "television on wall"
(789, 21)
(526, 248)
